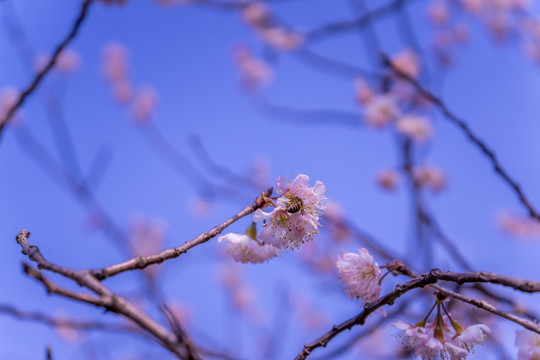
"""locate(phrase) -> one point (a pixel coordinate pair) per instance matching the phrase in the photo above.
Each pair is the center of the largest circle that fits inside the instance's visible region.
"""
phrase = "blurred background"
(162, 119)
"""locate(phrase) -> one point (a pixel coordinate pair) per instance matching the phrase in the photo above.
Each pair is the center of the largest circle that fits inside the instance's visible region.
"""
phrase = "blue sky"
(185, 52)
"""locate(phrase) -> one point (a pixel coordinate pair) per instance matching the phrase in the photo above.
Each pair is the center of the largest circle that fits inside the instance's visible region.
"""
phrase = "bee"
(295, 205)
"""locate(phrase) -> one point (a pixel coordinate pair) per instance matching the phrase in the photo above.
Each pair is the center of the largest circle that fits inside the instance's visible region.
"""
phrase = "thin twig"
(50, 64)
(141, 262)
(484, 148)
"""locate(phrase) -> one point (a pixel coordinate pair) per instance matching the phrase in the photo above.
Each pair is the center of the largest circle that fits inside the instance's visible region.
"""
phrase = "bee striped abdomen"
(295, 205)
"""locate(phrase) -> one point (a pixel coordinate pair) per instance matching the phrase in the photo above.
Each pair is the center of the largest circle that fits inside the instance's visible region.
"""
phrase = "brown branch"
(142, 262)
(50, 64)
(105, 297)
(430, 278)
(484, 148)
(388, 299)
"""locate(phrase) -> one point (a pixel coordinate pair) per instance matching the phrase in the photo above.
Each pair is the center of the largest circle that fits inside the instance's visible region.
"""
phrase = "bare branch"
(484, 148)
(50, 64)
(141, 262)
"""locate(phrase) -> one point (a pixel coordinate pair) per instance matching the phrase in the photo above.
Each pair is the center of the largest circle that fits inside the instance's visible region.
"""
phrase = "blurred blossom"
(363, 91)
(519, 226)
(245, 249)
(415, 127)
(361, 275)
(295, 219)
(260, 172)
(380, 110)
(115, 62)
(528, 344)
(281, 38)
(144, 104)
(407, 62)
(336, 225)
(438, 12)
(147, 236)
(254, 72)
(256, 14)
(199, 207)
(387, 179)
(181, 312)
(67, 332)
(474, 6)
(430, 177)
(461, 33)
(9, 96)
(123, 91)
(310, 317)
(68, 61)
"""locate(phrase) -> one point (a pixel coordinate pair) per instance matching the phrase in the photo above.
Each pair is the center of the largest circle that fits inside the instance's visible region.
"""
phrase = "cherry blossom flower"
(407, 63)
(528, 343)
(417, 128)
(8, 98)
(244, 249)
(256, 14)
(519, 226)
(363, 91)
(295, 219)
(438, 12)
(440, 338)
(281, 38)
(144, 104)
(380, 110)
(387, 179)
(255, 73)
(430, 177)
(360, 274)
(115, 66)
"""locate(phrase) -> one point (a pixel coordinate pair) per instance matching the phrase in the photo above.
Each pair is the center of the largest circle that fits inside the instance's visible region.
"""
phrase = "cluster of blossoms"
(361, 275)
(443, 337)
(505, 19)
(293, 221)
(528, 343)
(519, 226)
(68, 61)
(259, 17)
(254, 72)
(382, 109)
(142, 101)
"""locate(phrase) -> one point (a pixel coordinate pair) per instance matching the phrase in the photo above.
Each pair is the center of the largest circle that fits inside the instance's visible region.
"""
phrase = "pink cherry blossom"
(363, 91)
(254, 72)
(440, 338)
(295, 219)
(528, 343)
(360, 274)
(281, 38)
(380, 110)
(438, 12)
(246, 250)
(417, 128)
(407, 62)
(144, 104)
(387, 179)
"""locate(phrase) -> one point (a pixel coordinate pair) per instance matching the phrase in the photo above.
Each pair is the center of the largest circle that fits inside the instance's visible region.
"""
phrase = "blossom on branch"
(360, 274)
(244, 249)
(417, 128)
(528, 343)
(442, 338)
(295, 219)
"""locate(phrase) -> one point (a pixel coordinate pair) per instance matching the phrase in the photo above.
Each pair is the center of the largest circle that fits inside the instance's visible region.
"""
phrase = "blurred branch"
(357, 23)
(309, 117)
(141, 262)
(487, 151)
(50, 64)
(58, 322)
